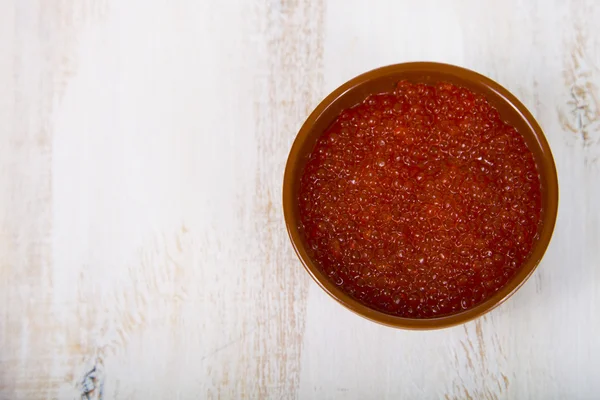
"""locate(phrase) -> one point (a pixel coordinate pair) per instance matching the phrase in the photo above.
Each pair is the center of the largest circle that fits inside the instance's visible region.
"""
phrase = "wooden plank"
(144, 253)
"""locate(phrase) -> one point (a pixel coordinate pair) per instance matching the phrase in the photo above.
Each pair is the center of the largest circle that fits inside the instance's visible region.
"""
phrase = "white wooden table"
(143, 253)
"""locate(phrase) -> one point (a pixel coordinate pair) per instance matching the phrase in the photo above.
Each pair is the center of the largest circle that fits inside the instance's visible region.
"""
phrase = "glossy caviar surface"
(420, 202)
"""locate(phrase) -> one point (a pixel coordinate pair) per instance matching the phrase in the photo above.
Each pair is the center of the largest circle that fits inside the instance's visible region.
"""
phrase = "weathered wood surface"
(143, 251)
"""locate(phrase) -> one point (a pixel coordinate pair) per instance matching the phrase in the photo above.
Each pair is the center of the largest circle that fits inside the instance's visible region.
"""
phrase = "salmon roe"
(420, 202)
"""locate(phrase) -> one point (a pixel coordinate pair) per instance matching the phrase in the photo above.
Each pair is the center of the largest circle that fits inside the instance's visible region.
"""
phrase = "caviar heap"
(420, 202)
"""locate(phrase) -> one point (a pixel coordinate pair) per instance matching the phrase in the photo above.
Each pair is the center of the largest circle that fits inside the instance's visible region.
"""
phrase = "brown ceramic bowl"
(382, 80)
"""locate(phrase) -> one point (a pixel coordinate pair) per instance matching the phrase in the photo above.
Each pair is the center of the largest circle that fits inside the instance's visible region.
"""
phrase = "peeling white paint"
(143, 250)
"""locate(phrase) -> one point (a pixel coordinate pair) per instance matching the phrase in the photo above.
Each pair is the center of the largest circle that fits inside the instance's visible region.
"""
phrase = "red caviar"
(420, 202)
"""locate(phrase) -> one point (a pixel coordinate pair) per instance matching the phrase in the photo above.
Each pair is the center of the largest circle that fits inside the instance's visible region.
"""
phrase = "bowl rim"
(526, 270)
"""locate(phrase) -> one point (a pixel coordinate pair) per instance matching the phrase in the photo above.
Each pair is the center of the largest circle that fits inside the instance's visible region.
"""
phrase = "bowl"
(381, 80)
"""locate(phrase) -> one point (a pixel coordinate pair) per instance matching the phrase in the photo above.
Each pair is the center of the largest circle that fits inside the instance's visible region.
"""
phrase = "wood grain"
(293, 32)
(144, 253)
